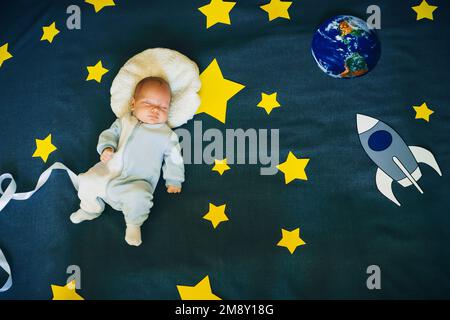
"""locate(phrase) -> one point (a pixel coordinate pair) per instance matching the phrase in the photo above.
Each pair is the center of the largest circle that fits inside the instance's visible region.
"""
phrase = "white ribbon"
(5, 266)
(9, 194)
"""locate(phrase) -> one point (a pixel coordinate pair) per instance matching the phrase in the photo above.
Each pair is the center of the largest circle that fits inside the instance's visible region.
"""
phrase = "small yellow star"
(423, 112)
(4, 54)
(65, 293)
(201, 291)
(216, 91)
(217, 11)
(220, 166)
(96, 72)
(44, 148)
(277, 9)
(216, 215)
(291, 240)
(293, 168)
(424, 11)
(100, 4)
(49, 32)
(269, 102)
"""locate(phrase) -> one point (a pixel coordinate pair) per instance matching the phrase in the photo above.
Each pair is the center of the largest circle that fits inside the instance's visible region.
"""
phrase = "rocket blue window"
(380, 140)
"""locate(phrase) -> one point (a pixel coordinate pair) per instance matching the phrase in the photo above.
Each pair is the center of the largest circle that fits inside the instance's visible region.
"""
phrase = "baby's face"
(151, 102)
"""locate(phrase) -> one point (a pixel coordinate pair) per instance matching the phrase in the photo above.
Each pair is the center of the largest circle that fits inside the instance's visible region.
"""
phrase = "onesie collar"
(149, 125)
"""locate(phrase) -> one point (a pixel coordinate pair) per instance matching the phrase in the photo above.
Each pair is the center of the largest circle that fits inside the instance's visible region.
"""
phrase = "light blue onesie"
(128, 180)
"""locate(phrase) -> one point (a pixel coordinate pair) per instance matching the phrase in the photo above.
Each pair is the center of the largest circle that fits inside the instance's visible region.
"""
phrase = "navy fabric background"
(346, 223)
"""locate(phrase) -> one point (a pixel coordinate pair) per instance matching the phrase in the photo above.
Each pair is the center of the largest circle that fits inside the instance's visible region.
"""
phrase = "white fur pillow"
(178, 70)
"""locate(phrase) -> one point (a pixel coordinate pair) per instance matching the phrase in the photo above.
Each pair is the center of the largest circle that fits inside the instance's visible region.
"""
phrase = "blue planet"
(344, 47)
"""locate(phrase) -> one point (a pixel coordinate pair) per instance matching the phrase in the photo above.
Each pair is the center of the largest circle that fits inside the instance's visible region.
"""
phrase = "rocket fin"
(384, 184)
(424, 156)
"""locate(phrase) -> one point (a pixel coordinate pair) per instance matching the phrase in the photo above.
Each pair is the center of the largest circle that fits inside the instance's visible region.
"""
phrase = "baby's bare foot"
(133, 235)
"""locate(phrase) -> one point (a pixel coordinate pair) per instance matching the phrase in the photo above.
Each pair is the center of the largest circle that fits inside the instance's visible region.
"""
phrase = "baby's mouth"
(152, 117)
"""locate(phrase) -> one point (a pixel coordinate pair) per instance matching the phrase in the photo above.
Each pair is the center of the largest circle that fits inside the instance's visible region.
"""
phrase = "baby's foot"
(133, 235)
(80, 215)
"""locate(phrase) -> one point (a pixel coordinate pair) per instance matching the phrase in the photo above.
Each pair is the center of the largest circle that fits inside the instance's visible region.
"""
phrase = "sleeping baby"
(132, 152)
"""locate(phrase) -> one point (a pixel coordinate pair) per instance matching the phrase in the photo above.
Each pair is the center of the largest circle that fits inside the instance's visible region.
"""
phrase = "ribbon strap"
(5, 266)
(9, 194)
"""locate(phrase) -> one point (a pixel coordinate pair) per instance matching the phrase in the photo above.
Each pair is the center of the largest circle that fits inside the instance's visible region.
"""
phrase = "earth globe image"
(345, 47)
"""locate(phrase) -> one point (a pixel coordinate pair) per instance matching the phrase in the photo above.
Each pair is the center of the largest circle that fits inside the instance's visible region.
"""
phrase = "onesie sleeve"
(109, 137)
(173, 167)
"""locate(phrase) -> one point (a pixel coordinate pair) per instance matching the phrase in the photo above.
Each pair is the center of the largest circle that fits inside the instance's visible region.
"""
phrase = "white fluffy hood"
(178, 70)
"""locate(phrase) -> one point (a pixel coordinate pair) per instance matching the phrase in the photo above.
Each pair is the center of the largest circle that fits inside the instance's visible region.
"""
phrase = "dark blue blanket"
(346, 223)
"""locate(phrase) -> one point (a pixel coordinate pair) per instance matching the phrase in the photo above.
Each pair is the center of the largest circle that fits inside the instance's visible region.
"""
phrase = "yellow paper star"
(291, 240)
(217, 11)
(220, 166)
(277, 9)
(424, 11)
(96, 72)
(216, 215)
(216, 91)
(100, 4)
(49, 32)
(66, 293)
(268, 102)
(201, 291)
(423, 112)
(4, 54)
(44, 148)
(293, 168)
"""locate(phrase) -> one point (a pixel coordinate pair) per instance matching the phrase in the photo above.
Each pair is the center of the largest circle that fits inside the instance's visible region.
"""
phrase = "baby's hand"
(107, 155)
(173, 189)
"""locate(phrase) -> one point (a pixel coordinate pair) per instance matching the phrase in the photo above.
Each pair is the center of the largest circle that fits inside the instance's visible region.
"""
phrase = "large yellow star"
(66, 293)
(424, 10)
(49, 32)
(268, 102)
(44, 148)
(216, 91)
(201, 291)
(96, 72)
(293, 168)
(277, 9)
(217, 11)
(291, 240)
(220, 166)
(423, 112)
(100, 4)
(4, 54)
(216, 215)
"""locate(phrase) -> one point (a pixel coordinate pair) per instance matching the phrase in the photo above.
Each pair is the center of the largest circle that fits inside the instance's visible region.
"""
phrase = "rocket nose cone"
(365, 123)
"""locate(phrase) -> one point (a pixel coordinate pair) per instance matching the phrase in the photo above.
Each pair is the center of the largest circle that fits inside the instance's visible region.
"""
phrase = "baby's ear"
(132, 104)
